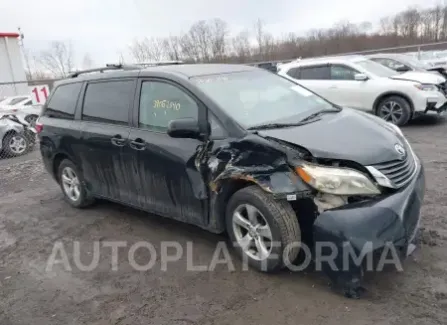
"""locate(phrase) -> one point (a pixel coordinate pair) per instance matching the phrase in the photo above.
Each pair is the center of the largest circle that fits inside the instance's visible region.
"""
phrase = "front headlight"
(338, 181)
(426, 87)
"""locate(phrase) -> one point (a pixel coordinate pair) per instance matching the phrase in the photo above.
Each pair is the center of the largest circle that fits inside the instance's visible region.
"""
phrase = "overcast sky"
(104, 28)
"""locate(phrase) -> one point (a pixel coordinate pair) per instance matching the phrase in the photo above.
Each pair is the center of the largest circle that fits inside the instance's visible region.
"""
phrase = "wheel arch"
(384, 95)
(220, 201)
(58, 158)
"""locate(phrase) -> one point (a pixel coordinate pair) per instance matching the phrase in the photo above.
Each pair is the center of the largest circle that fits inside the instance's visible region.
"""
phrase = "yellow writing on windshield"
(167, 104)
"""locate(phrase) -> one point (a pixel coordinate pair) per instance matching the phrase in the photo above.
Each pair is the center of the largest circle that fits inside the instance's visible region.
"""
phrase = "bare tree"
(147, 50)
(58, 58)
(241, 46)
(260, 35)
(218, 35)
(199, 36)
(87, 62)
(172, 48)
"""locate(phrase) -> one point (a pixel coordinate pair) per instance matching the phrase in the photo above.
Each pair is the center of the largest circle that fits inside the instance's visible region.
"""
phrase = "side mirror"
(360, 77)
(402, 68)
(184, 128)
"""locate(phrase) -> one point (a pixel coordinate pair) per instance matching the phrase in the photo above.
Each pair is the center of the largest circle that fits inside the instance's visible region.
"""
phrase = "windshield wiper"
(305, 120)
(319, 113)
(274, 126)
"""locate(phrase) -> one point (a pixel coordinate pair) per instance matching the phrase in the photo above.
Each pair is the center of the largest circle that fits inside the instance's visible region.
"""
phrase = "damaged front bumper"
(432, 107)
(367, 227)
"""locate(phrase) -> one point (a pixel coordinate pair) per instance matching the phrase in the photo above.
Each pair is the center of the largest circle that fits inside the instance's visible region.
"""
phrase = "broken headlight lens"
(337, 181)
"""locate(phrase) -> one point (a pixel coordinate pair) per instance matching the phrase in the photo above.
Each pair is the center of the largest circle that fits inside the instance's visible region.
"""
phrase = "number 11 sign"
(39, 94)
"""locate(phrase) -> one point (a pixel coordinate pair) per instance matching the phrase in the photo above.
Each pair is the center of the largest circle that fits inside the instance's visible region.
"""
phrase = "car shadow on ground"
(427, 120)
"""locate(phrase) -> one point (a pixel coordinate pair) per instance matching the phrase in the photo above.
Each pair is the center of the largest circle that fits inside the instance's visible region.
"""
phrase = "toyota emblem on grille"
(400, 150)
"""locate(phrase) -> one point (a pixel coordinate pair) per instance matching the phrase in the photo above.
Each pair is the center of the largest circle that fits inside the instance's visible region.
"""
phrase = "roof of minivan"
(182, 70)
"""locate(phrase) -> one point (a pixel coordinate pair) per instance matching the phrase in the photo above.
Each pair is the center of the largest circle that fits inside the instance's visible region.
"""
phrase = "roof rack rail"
(106, 68)
(158, 63)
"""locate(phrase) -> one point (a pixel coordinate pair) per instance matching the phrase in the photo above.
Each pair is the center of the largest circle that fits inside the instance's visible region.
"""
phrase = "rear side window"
(315, 72)
(108, 102)
(62, 103)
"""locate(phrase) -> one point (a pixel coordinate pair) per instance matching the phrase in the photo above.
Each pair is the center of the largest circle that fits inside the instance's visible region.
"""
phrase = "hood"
(422, 77)
(347, 135)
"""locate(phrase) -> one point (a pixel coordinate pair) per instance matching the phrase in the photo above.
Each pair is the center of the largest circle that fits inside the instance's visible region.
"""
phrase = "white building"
(12, 72)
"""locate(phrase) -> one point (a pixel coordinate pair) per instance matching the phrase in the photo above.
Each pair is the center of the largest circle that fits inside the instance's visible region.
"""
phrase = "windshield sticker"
(166, 104)
(302, 91)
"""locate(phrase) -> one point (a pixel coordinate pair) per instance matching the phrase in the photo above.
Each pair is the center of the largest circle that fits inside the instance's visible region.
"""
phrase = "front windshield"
(260, 97)
(376, 69)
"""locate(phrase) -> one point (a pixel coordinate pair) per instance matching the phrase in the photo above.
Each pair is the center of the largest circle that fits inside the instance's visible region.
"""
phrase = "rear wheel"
(73, 185)
(265, 232)
(394, 109)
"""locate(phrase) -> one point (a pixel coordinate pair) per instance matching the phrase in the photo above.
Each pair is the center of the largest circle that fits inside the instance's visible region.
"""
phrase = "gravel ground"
(33, 217)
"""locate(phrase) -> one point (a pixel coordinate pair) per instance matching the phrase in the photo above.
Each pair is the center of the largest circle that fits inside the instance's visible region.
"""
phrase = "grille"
(398, 171)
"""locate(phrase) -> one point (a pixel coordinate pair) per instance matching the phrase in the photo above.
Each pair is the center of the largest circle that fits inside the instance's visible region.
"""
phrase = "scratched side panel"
(164, 178)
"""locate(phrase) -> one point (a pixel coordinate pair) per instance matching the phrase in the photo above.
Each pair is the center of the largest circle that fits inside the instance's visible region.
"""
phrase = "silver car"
(17, 136)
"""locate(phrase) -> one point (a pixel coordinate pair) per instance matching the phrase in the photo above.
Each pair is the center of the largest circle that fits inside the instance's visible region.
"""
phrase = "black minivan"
(237, 149)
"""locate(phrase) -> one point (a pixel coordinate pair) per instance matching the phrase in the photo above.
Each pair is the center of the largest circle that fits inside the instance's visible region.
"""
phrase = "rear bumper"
(368, 228)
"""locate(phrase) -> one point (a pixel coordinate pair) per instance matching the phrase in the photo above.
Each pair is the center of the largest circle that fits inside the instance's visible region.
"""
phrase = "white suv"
(355, 81)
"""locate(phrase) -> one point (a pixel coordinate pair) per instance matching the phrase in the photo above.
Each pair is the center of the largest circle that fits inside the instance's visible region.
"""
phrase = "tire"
(82, 199)
(277, 215)
(394, 104)
(15, 144)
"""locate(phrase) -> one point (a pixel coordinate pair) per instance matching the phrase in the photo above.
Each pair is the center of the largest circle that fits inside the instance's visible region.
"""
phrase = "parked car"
(27, 113)
(17, 137)
(356, 82)
(238, 149)
(15, 100)
(404, 63)
(22, 107)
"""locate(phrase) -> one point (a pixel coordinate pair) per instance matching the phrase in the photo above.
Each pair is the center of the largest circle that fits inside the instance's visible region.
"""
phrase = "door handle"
(118, 140)
(138, 144)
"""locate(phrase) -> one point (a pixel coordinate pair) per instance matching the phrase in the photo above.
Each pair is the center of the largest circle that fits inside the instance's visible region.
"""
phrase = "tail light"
(38, 126)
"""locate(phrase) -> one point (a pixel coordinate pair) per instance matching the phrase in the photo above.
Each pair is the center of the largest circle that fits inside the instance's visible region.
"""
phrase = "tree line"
(210, 41)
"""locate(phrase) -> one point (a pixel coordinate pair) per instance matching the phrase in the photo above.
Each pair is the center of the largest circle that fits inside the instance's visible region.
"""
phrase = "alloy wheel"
(70, 183)
(17, 144)
(252, 232)
(391, 111)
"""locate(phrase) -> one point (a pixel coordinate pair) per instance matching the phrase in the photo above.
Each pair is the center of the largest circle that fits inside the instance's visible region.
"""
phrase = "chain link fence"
(17, 117)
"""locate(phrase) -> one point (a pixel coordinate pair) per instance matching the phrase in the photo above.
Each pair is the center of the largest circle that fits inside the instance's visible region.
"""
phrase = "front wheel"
(15, 144)
(265, 232)
(394, 109)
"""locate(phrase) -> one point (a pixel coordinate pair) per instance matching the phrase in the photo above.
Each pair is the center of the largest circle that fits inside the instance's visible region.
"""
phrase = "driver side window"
(162, 102)
(342, 72)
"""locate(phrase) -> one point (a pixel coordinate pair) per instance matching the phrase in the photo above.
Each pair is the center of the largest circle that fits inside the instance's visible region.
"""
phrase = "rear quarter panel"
(59, 136)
